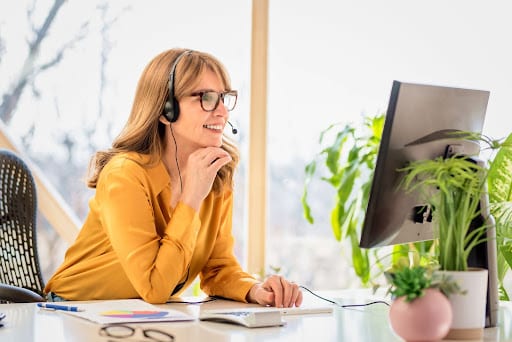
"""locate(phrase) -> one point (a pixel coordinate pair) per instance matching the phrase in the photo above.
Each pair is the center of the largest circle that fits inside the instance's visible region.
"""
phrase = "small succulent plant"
(410, 282)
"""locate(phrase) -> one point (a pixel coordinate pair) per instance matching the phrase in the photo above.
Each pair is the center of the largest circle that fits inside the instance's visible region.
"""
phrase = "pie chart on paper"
(134, 314)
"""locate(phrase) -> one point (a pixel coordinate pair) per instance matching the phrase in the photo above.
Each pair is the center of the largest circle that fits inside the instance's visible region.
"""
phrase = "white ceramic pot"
(468, 309)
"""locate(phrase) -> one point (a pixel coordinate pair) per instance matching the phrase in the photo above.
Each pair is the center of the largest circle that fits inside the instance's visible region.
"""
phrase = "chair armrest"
(15, 294)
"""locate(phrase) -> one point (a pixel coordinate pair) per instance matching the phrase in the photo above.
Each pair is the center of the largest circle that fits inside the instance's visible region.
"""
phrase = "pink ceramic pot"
(427, 318)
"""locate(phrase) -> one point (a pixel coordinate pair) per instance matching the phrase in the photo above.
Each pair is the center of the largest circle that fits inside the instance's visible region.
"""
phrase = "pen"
(58, 307)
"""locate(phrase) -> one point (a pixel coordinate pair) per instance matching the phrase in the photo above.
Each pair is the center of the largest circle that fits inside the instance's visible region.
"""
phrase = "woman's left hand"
(276, 291)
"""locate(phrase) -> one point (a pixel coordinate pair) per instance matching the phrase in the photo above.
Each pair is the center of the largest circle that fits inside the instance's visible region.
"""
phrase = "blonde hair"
(143, 132)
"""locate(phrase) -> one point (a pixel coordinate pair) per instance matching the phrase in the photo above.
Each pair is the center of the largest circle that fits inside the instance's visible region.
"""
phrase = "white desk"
(26, 322)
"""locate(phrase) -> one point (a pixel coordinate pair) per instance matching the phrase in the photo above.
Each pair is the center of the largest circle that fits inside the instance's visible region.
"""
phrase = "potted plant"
(420, 310)
(349, 158)
(349, 154)
(452, 187)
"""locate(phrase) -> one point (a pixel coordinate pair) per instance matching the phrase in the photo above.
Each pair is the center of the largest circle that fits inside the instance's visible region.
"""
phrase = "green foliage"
(453, 187)
(350, 161)
(412, 254)
(409, 282)
(499, 183)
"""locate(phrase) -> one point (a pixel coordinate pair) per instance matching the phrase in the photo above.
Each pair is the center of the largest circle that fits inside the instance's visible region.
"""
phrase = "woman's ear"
(164, 120)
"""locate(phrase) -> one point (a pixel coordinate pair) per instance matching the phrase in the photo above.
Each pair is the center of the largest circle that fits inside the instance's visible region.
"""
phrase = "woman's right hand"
(201, 170)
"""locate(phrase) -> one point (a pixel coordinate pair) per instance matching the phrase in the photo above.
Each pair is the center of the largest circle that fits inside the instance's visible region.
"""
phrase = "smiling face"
(195, 127)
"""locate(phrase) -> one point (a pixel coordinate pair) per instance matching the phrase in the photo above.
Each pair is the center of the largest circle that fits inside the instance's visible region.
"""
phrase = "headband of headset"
(172, 108)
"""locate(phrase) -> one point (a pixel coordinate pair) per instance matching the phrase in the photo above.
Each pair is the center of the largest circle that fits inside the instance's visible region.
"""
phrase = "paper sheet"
(127, 311)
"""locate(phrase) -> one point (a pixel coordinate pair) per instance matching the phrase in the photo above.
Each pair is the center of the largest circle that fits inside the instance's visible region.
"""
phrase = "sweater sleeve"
(154, 264)
(222, 275)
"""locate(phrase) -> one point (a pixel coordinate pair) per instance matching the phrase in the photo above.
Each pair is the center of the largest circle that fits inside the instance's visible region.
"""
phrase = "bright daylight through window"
(328, 62)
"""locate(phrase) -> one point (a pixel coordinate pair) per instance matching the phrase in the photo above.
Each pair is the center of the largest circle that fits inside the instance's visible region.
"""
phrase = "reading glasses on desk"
(121, 331)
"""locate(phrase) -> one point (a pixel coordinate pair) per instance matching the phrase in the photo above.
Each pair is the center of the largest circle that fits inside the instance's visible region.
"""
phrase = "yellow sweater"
(133, 245)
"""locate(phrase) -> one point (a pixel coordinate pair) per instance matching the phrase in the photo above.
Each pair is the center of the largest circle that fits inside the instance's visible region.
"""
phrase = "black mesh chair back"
(19, 261)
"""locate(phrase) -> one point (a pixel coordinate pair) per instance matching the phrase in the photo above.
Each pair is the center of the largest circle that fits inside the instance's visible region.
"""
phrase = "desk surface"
(26, 322)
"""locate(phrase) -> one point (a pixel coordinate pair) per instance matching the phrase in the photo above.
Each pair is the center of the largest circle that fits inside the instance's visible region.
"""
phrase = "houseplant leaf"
(500, 198)
(310, 171)
(500, 174)
(349, 161)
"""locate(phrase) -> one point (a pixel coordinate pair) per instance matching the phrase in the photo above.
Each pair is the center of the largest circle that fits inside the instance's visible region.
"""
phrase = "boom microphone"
(233, 129)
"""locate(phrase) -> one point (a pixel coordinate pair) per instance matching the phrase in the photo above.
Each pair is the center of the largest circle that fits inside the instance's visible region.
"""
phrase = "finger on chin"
(219, 162)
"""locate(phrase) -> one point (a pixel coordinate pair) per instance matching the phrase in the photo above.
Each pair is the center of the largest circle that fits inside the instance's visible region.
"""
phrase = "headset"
(172, 108)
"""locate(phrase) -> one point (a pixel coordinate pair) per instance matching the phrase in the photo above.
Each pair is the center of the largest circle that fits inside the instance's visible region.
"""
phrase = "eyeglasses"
(210, 99)
(123, 331)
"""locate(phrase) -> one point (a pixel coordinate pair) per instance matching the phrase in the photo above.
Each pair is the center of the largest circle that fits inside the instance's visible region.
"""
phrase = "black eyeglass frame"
(220, 95)
(131, 331)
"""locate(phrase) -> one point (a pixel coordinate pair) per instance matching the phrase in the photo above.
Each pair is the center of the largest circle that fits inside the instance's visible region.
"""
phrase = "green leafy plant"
(453, 187)
(499, 183)
(350, 161)
(411, 282)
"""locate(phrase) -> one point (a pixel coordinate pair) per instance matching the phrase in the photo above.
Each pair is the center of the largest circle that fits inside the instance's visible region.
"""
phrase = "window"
(333, 62)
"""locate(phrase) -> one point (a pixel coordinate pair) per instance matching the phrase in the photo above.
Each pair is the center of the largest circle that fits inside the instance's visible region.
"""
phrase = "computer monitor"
(419, 124)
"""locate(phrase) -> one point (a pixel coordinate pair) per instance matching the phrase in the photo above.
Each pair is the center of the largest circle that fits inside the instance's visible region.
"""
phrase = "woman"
(162, 210)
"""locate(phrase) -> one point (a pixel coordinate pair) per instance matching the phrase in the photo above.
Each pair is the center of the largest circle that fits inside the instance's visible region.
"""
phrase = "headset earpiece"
(171, 110)
(172, 107)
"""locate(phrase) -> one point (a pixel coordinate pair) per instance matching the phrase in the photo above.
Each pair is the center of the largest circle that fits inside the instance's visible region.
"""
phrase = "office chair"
(20, 275)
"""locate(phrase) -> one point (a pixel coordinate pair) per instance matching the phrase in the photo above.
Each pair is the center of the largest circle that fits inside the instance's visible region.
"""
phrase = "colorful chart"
(134, 314)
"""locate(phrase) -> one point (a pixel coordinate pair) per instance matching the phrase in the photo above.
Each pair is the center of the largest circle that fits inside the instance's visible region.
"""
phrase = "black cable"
(176, 157)
(211, 299)
(345, 305)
